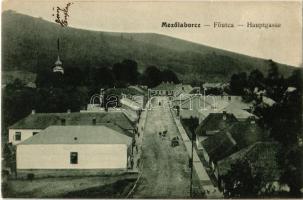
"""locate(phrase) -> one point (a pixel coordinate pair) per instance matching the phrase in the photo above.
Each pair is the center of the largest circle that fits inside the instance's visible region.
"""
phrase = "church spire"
(58, 45)
(58, 64)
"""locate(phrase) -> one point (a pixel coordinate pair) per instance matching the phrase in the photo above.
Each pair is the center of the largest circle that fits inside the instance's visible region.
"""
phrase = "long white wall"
(25, 134)
(57, 156)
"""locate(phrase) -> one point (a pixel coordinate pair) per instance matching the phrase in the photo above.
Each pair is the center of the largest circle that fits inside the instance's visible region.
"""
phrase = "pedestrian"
(131, 162)
(138, 163)
(128, 162)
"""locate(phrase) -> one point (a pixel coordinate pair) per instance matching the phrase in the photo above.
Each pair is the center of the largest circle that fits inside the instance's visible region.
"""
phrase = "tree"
(284, 121)
(273, 75)
(292, 175)
(132, 69)
(255, 79)
(295, 80)
(47, 78)
(240, 182)
(102, 78)
(74, 76)
(17, 102)
(151, 76)
(275, 82)
(169, 76)
(43, 78)
(237, 83)
(286, 129)
(126, 72)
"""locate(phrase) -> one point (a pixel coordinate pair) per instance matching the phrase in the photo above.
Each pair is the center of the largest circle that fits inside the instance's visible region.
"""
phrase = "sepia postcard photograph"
(158, 99)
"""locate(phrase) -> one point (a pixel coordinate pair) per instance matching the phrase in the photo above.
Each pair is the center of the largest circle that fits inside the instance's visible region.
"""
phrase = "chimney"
(33, 111)
(94, 121)
(68, 111)
(224, 115)
(63, 121)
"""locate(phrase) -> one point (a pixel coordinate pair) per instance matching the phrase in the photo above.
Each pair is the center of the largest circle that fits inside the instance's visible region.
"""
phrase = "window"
(18, 136)
(74, 158)
(35, 133)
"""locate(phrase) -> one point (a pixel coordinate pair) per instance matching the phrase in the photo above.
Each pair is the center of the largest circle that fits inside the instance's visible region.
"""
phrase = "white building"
(36, 122)
(200, 106)
(75, 147)
(131, 109)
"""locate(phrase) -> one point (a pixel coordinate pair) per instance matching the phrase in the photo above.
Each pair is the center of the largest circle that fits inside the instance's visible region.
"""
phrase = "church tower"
(58, 64)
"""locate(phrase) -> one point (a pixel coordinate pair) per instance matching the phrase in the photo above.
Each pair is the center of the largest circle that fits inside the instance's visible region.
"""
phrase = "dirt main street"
(165, 172)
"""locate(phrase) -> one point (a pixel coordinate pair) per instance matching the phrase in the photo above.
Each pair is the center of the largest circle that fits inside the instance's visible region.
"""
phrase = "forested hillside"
(29, 44)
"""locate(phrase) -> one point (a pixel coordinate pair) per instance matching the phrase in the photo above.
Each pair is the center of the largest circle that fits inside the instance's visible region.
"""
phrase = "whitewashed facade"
(58, 156)
(15, 136)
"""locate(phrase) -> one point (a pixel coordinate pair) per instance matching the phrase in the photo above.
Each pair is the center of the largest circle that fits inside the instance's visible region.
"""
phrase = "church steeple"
(58, 64)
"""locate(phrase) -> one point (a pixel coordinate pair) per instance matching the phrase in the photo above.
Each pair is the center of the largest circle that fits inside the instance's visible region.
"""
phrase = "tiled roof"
(126, 91)
(212, 85)
(44, 120)
(139, 89)
(132, 115)
(217, 104)
(78, 135)
(183, 97)
(238, 113)
(219, 145)
(130, 103)
(215, 121)
(268, 101)
(182, 89)
(261, 156)
(247, 133)
(220, 102)
(238, 136)
(165, 86)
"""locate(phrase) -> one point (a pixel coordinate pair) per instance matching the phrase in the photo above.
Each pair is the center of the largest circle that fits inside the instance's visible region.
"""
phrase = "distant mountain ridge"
(29, 44)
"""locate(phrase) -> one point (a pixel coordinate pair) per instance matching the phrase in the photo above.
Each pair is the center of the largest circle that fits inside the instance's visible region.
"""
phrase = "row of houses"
(89, 141)
(222, 140)
(170, 89)
(200, 106)
(227, 132)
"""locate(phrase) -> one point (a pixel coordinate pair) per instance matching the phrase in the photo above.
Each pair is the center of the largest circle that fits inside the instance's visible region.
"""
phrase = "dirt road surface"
(165, 172)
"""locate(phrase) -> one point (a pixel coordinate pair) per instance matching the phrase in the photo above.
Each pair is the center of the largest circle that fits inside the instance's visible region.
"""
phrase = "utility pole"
(192, 164)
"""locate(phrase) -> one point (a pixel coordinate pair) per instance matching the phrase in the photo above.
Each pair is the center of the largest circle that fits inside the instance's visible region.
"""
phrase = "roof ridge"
(254, 145)
(58, 132)
(230, 137)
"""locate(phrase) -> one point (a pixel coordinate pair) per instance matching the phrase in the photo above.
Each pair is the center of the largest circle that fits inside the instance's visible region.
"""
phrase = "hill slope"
(29, 44)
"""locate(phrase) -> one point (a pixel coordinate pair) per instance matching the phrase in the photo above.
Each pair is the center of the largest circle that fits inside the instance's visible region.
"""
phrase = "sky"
(282, 44)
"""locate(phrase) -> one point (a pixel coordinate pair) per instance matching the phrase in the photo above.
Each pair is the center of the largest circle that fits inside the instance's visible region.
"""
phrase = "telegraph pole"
(192, 164)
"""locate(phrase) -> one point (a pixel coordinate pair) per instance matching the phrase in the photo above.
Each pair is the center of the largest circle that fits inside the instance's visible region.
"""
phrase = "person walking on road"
(131, 162)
